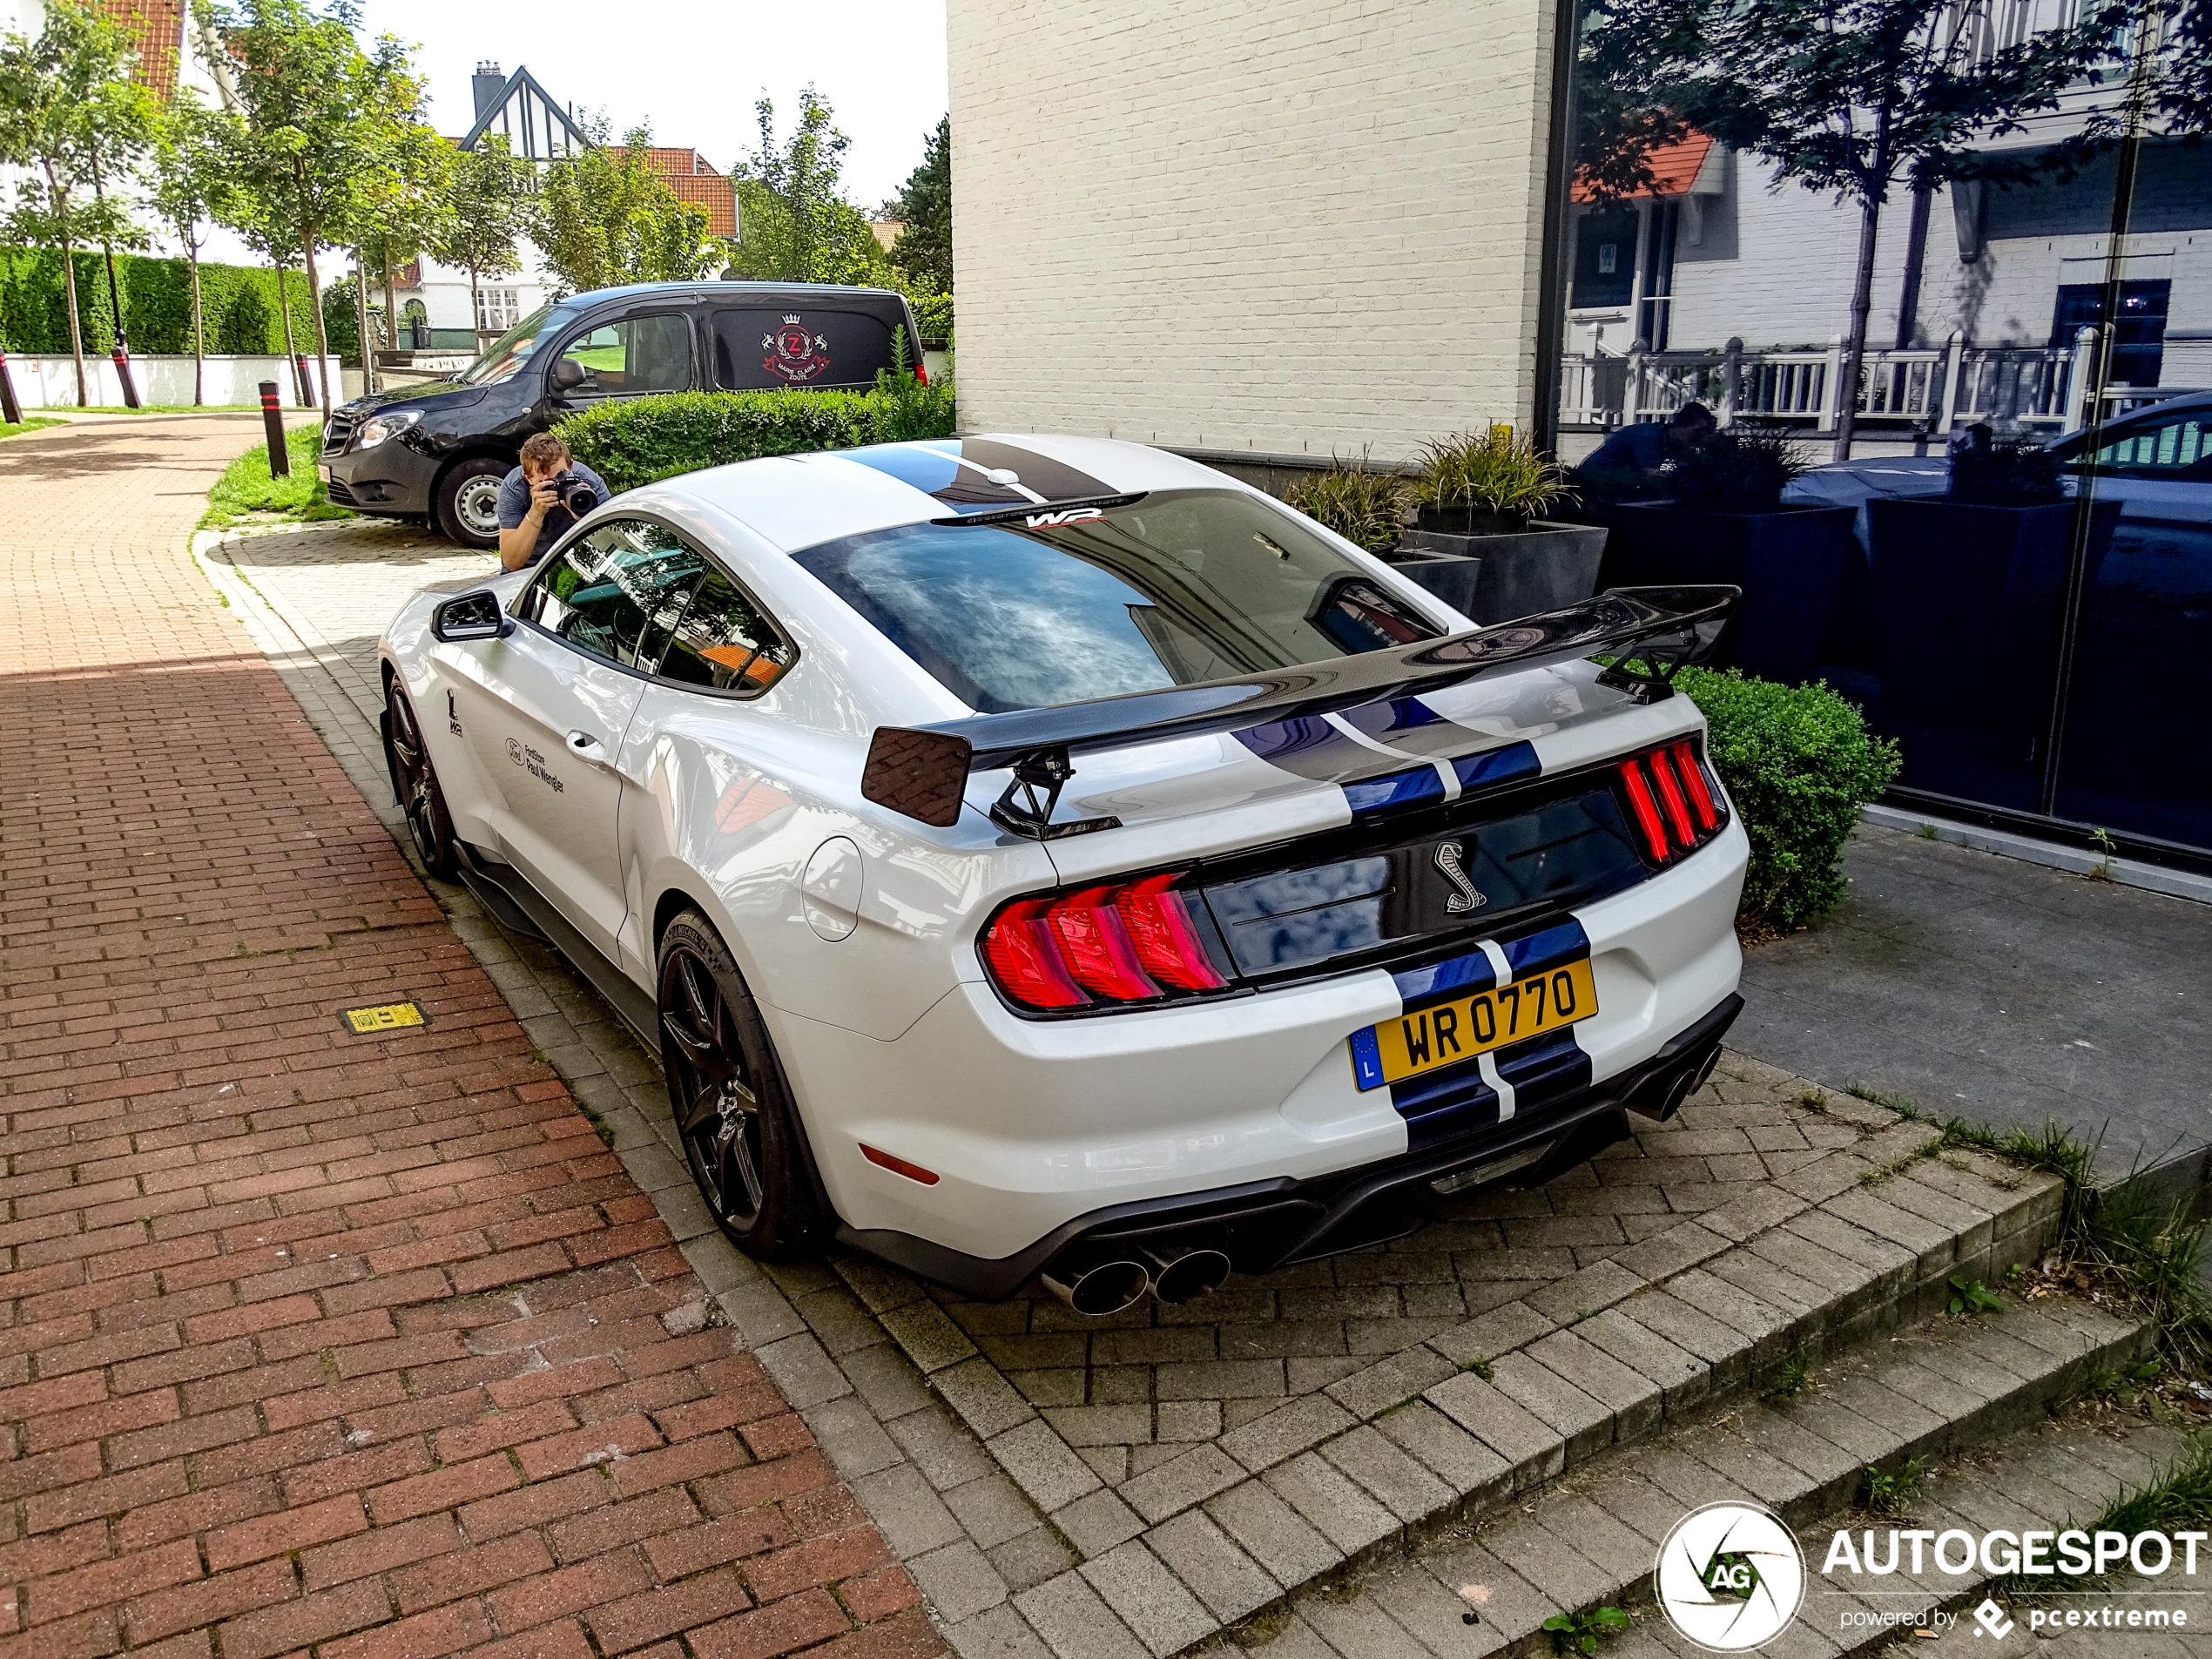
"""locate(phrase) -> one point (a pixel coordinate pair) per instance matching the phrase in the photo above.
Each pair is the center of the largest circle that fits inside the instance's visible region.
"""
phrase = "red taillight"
(921, 373)
(1159, 923)
(1693, 779)
(1640, 802)
(1117, 942)
(1670, 797)
(1020, 953)
(1097, 947)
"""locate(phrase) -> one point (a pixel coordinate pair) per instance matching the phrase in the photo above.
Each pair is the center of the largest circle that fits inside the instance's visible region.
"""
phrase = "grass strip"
(246, 492)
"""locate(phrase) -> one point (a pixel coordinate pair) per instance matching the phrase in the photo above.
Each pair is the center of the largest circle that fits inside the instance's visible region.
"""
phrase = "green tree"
(488, 196)
(326, 125)
(71, 112)
(923, 252)
(1852, 96)
(603, 217)
(401, 206)
(794, 224)
(190, 187)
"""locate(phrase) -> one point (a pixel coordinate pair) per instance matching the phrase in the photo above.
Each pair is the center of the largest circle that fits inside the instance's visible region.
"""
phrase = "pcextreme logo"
(1730, 1576)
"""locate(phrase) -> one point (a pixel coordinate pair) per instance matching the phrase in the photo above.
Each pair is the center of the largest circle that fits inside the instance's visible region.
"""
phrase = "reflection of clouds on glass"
(1299, 889)
(1028, 630)
(1313, 937)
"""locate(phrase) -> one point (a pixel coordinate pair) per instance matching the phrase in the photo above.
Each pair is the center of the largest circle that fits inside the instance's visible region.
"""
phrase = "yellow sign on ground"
(389, 1016)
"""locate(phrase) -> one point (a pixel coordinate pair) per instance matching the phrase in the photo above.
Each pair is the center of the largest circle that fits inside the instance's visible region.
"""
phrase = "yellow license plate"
(1452, 1032)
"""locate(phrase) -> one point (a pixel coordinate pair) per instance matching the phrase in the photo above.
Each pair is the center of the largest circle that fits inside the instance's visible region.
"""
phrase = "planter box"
(1789, 563)
(1496, 578)
(1967, 603)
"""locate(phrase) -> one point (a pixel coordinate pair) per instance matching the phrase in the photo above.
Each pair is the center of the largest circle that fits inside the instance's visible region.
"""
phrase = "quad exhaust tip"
(1183, 1273)
(1098, 1286)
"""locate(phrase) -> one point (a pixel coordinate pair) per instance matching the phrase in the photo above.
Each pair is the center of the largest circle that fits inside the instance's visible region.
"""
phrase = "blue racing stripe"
(1393, 791)
(1393, 721)
(1494, 768)
(1543, 1071)
(1444, 1105)
(929, 467)
(1563, 942)
(1456, 976)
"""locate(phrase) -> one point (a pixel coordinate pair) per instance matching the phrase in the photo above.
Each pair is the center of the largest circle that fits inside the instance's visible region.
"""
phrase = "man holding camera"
(542, 498)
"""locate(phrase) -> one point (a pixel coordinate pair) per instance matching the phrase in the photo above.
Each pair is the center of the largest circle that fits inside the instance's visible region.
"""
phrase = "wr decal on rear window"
(1067, 516)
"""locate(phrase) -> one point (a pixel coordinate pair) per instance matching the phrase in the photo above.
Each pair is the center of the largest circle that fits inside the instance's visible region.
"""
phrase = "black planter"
(1495, 577)
(1789, 563)
(1967, 603)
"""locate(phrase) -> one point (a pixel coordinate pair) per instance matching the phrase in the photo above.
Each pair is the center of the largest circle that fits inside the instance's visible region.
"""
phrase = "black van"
(439, 451)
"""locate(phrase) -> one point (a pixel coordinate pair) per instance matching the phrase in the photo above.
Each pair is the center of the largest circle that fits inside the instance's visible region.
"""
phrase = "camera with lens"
(575, 492)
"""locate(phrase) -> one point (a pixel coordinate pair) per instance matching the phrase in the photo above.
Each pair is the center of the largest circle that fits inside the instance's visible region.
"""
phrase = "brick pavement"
(363, 1347)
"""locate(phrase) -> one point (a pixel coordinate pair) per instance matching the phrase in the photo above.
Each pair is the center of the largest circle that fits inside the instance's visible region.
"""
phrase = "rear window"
(1179, 587)
(760, 349)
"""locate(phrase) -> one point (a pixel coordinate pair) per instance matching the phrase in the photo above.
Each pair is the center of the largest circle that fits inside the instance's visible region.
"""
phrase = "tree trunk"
(360, 321)
(475, 308)
(1874, 188)
(1916, 258)
(75, 324)
(323, 332)
(198, 328)
(291, 351)
(391, 305)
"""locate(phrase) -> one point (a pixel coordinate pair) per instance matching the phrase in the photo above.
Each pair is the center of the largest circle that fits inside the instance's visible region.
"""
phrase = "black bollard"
(10, 411)
(273, 422)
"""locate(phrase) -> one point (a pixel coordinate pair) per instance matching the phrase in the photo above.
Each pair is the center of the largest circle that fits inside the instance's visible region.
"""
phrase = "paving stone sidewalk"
(366, 1345)
(1019, 1508)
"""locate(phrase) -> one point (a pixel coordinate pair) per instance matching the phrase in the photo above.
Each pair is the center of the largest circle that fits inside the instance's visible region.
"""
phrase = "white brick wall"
(1310, 227)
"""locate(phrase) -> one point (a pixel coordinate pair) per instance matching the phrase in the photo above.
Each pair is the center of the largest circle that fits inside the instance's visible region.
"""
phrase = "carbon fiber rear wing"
(922, 772)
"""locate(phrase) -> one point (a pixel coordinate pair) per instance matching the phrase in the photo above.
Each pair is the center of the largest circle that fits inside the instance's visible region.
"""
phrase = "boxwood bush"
(1799, 763)
(643, 439)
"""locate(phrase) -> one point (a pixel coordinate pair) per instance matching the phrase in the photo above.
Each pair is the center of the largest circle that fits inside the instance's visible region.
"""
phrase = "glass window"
(514, 348)
(1605, 254)
(616, 592)
(497, 308)
(761, 348)
(1181, 586)
(724, 643)
(637, 354)
(2158, 449)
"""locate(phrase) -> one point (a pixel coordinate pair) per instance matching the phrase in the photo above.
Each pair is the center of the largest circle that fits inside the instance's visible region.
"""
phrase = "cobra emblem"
(1467, 898)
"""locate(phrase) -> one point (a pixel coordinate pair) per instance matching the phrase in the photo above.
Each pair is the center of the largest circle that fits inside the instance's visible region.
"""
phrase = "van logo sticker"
(1066, 516)
(1448, 855)
(796, 353)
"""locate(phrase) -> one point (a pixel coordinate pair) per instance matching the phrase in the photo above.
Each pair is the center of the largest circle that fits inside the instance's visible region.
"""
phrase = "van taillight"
(1671, 800)
(1121, 942)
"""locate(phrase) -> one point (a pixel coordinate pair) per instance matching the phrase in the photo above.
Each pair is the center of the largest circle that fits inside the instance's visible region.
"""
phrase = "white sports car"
(1045, 856)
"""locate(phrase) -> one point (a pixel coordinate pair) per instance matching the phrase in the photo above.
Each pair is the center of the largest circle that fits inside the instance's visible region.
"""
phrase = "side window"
(2166, 448)
(616, 592)
(724, 643)
(761, 349)
(622, 358)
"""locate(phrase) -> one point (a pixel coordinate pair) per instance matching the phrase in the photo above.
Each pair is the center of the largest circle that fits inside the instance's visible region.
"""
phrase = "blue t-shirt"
(514, 507)
(1640, 447)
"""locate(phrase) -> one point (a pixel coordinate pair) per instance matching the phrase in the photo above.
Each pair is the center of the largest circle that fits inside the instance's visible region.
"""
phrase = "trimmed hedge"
(641, 440)
(238, 304)
(1799, 763)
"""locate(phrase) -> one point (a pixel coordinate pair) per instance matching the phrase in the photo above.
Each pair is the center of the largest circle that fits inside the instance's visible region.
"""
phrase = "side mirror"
(473, 616)
(568, 375)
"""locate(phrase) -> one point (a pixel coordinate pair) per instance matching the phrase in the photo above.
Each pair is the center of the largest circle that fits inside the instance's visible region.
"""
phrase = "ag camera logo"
(1731, 1577)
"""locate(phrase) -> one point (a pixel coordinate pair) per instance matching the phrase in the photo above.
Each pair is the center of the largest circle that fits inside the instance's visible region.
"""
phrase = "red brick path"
(360, 1345)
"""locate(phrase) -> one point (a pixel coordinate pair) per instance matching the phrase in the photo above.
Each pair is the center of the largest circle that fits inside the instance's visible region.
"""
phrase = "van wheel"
(733, 1108)
(467, 501)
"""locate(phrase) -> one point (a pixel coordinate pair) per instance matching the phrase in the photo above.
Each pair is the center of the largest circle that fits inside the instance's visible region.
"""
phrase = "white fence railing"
(1933, 388)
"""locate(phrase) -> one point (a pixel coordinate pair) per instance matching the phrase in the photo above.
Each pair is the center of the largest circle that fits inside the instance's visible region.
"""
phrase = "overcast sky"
(694, 68)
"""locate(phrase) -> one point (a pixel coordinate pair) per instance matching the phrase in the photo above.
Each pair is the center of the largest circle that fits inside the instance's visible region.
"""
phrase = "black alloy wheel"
(415, 782)
(727, 1092)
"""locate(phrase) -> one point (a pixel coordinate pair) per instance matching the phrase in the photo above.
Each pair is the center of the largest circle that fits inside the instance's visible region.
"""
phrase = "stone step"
(1474, 1415)
(1932, 1391)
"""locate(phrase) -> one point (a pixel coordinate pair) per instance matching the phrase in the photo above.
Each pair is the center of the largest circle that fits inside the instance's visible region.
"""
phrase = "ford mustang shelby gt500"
(1045, 856)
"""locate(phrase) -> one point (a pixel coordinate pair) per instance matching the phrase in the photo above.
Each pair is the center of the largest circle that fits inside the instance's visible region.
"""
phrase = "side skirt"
(517, 906)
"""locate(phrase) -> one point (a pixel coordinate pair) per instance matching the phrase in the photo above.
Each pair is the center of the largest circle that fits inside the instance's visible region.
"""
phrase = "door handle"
(585, 746)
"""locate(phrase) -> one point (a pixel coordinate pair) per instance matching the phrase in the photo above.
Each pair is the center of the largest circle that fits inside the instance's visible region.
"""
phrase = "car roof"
(802, 501)
(717, 289)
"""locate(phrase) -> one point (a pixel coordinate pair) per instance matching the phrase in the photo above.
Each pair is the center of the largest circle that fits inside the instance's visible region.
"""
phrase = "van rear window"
(760, 349)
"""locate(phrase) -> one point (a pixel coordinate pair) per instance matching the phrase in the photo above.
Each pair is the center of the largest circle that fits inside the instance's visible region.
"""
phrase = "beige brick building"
(1298, 228)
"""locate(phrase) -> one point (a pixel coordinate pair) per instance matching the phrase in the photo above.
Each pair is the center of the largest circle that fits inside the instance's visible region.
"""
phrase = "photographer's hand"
(544, 497)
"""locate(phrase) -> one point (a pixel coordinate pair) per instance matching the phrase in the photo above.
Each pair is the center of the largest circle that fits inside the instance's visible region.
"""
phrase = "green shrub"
(238, 305)
(640, 440)
(1367, 509)
(1799, 763)
(1495, 472)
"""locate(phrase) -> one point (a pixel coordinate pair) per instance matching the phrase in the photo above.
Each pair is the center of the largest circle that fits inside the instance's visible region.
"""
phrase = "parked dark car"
(438, 452)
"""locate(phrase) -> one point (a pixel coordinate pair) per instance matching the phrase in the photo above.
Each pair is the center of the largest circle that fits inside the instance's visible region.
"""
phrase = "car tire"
(415, 782)
(733, 1108)
(467, 501)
